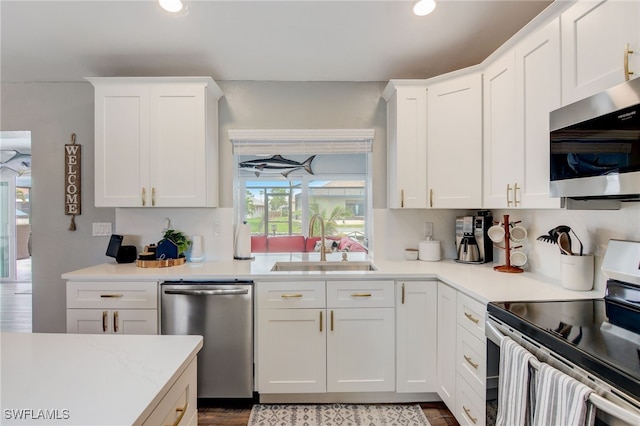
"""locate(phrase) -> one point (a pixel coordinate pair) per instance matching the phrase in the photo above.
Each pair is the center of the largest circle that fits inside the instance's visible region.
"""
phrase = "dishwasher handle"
(217, 292)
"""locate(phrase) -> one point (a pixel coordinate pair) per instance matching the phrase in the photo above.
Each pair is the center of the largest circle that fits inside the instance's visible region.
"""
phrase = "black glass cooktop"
(601, 336)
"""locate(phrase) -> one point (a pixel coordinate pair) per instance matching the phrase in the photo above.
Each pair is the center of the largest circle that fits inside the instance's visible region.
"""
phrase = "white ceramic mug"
(517, 234)
(518, 258)
(496, 233)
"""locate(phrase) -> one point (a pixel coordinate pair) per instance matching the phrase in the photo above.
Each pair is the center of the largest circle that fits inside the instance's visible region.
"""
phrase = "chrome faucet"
(323, 255)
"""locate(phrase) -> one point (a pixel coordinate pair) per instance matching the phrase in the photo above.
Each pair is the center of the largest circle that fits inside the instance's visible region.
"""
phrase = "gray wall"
(52, 111)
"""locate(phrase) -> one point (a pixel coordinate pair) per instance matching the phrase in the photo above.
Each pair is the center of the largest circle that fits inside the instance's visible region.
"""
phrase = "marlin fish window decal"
(276, 164)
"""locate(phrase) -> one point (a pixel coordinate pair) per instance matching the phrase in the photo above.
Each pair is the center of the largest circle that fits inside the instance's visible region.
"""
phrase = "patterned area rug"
(337, 415)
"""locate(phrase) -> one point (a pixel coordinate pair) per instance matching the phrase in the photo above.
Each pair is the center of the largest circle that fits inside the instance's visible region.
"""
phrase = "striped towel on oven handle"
(561, 400)
(513, 385)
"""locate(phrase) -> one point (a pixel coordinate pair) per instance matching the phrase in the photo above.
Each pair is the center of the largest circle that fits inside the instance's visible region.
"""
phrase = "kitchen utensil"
(552, 237)
(564, 242)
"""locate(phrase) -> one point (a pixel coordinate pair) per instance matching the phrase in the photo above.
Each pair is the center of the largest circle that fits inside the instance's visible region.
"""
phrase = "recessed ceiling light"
(423, 7)
(171, 5)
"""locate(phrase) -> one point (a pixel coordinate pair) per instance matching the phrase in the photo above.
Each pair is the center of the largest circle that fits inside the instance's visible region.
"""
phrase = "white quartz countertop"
(478, 281)
(86, 379)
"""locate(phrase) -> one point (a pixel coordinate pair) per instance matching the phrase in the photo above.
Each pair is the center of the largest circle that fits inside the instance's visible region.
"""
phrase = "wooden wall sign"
(72, 189)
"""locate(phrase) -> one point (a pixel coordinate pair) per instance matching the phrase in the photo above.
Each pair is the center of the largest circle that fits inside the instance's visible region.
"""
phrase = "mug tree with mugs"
(506, 233)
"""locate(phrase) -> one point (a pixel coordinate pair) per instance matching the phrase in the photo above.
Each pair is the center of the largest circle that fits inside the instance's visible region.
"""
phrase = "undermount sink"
(323, 266)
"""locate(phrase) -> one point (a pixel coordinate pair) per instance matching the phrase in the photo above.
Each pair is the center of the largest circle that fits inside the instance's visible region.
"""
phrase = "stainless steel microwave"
(595, 146)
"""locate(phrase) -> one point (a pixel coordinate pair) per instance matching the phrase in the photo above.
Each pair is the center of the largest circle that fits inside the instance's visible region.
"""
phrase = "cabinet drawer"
(471, 314)
(283, 295)
(471, 360)
(112, 295)
(360, 294)
(470, 407)
(178, 406)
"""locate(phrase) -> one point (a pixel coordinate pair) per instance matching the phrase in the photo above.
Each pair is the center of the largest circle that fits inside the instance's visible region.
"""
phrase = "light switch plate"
(428, 229)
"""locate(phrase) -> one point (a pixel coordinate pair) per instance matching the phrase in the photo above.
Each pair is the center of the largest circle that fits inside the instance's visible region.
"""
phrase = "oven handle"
(598, 401)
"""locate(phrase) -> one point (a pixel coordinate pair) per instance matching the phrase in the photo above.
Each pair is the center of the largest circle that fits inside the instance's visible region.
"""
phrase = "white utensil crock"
(576, 272)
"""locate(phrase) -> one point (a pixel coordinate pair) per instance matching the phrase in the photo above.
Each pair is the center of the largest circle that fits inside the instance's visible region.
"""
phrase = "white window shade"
(301, 141)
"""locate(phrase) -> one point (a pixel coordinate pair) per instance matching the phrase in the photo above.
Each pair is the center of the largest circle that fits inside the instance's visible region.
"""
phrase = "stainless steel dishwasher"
(221, 312)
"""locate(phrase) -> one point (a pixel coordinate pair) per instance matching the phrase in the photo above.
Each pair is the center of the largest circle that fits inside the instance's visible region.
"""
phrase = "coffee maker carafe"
(472, 243)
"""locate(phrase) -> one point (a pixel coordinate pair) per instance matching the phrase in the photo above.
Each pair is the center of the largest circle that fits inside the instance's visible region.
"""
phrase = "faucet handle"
(344, 256)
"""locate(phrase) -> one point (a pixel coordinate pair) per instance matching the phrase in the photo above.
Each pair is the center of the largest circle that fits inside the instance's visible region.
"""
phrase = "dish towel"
(561, 400)
(513, 385)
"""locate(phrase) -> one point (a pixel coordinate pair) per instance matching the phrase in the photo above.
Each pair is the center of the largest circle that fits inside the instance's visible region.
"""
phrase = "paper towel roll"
(196, 249)
(242, 241)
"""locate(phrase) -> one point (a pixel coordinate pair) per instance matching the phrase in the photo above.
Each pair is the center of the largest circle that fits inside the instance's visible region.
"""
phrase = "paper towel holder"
(238, 253)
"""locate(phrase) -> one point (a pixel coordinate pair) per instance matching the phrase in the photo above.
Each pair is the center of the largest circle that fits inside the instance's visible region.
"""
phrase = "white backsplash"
(142, 226)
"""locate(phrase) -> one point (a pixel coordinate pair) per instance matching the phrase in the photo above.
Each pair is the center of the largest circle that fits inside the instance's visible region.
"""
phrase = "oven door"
(613, 408)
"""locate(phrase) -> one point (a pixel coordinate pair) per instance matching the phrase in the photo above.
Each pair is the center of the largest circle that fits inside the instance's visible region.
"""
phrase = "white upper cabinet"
(502, 156)
(406, 144)
(156, 142)
(520, 89)
(594, 36)
(537, 93)
(454, 142)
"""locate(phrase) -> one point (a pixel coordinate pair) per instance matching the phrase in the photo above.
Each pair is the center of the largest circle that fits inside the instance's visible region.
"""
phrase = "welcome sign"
(72, 177)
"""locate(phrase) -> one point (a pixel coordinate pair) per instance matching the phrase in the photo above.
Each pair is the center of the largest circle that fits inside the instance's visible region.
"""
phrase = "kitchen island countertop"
(82, 379)
(478, 281)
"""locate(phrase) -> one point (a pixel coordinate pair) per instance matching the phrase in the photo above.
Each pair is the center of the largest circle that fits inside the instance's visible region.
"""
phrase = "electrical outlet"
(428, 229)
(101, 229)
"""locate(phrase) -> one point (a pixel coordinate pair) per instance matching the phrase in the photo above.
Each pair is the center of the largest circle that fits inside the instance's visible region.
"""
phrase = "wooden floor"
(15, 307)
(436, 412)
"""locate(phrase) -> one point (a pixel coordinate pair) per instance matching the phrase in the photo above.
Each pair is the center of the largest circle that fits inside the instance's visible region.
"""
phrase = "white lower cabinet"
(416, 332)
(446, 345)
(179, 405)
(307, 343)
(462, 365)
(112, 307)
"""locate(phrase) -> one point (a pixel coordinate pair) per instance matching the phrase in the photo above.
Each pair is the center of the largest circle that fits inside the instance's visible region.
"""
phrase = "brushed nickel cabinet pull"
(474, 420)
(111, 296)
(516, 188)
(469, 360)
(331, 320)
(627, 52)
(291, 296)
(104, 321)
(320, 321)
(180, 411)
(144, 196)
(508, 200)
(403, 293)
(360, 294)
(115, 322)
(402, 198)
(153, 196)
(471, 317)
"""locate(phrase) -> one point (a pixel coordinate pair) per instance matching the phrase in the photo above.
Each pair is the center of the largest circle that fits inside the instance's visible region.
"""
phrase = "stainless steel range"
(596, 341)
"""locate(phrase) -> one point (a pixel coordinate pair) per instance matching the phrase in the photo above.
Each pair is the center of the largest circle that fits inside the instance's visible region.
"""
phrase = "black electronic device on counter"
(122, 254)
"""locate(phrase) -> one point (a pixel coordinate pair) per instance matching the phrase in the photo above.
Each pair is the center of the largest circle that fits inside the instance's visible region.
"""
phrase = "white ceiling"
(356, 40)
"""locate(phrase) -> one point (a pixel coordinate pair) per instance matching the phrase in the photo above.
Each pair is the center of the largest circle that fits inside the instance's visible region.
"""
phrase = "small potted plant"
(179, 239)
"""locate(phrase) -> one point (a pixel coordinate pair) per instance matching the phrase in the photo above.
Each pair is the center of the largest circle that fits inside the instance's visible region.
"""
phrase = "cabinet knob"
(508, 200)
(104, 321)
(471, 318)
(144, 197)
(115, 322)
(153, 196)
(516, 188)
(469, 360)
(467, 411)
(402, 198)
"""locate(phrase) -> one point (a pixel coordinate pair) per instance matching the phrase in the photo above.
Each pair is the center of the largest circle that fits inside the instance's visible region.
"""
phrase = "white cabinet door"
(454, 143)
(134, 321)
(447, 326)
(407, 147)
(360, 350)
(88, 321)
(416, 331)
(538, 93)
(502, 158)
(292, 351)
(177, 132)
(121, 145)
(594, 35)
